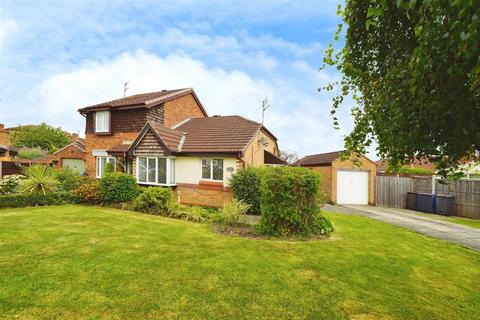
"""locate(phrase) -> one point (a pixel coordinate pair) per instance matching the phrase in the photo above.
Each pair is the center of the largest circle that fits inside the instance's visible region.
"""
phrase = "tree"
(289, 156)
(413, 68)
(41, 136)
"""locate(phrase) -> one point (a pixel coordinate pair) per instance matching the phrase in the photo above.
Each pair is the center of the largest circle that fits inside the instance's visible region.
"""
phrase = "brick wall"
(179, 109)
(326, 173)
(93, 141)
(253, 155)
(203, 195)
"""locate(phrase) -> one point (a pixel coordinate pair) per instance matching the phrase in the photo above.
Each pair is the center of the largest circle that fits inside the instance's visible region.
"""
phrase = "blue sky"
(57, 56)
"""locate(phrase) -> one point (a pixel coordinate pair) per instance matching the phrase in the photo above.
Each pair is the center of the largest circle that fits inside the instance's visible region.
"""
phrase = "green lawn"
(98, 263)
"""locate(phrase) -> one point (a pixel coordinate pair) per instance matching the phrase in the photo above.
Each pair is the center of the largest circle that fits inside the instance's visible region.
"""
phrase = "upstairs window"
(102, 121)
(212, 169)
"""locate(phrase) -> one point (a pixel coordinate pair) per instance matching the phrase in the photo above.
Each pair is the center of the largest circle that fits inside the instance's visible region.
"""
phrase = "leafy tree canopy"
(41, 136)
(413, 67)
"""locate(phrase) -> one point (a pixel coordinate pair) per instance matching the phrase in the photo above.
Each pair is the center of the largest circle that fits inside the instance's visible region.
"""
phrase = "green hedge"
(154, 200)
(118, 187)
(246, 187)
(291, 198)
(36, 199)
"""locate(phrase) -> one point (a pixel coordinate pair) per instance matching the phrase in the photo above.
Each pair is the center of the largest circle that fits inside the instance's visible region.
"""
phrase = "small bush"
(39, 179)
(89, 191)
(31, 153)
(9, 184)
(410, 170)
(246, 187)
(233, 211)
(68, 179)
(290, 203)
(118, 187)
(108, 168)
(19, 200)
(154, 200)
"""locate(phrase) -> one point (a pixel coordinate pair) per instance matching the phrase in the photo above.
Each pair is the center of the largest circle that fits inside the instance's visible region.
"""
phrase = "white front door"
(352, 187)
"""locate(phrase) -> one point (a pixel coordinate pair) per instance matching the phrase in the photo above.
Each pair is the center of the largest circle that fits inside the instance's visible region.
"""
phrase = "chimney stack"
(4, 136)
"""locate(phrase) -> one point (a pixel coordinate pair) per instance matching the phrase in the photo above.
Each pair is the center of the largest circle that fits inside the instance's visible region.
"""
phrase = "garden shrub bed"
(19, 200)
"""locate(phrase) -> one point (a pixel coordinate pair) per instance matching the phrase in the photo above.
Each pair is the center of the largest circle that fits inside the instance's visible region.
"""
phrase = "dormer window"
(102, 121)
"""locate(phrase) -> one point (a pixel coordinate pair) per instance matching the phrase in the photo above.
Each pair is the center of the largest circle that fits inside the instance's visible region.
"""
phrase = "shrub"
(10, 184)
(89, 191)
(39, 179)
(154, 200)
(68, 179)
(108, 168)
(233, 210)
(118, 187)
(36, 199)
(246, 187)
(407, 169)
(31, 153)
(290, 203)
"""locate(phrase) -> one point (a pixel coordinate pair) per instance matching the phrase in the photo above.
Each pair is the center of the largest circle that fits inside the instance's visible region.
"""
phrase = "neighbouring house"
(7, 151)
(424, 163)
(71, 156)
(167, 139)
(344, 182)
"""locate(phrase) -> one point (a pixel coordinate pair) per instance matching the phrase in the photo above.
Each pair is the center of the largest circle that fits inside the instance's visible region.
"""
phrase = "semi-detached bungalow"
(167, 139)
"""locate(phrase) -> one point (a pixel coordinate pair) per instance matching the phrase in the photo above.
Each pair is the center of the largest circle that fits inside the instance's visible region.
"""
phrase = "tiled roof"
(228, 134)
(169, 136)
(270, 158)
(142, 100)
(319, 159)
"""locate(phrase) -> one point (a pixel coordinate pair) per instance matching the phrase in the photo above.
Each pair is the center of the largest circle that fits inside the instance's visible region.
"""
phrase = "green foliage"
(39, 179)
(233, 211)
(89, 191)
(410, 170)
(41, 136)
(31, 153)
(108, 168)
(290, 203)
(36, 199)
(9, 185)
(246, 187)
(413, 69)
(118, 187)
(154, 200)
(68, 179)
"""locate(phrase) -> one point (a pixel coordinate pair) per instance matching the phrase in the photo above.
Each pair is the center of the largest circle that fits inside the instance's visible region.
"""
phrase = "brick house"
(71, 156)
(167, 139)
(344, 182)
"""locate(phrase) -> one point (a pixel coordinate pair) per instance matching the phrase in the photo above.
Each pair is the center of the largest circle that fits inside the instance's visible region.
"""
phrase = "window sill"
(103, 133)
(157, 184)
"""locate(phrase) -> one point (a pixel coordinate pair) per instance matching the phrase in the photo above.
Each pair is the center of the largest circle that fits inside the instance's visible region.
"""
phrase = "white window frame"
(211, 169)
(102, 121)
(99, 170)
(156, 183)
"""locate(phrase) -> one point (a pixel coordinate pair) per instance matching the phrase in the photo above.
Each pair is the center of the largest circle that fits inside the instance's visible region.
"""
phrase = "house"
(7, 151)
(71, 156)
(166, 138)
(344, 182)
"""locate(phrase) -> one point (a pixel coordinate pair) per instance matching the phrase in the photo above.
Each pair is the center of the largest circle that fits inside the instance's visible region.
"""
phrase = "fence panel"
(392, 191)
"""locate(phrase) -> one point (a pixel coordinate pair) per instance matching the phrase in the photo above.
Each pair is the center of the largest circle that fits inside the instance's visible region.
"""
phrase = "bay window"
(100, 165)
(212, 169)
(102, 121)
(154, 170)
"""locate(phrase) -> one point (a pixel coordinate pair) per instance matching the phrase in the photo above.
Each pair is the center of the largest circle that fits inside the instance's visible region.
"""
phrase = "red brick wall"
(179, 109)
(92, 141)
(70, 152)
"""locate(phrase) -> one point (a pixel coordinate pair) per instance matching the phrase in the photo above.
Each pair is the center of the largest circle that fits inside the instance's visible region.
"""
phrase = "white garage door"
(74, 164)
(352, 187)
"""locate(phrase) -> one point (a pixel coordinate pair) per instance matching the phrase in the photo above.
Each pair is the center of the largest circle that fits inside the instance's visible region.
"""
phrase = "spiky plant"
(39, 179)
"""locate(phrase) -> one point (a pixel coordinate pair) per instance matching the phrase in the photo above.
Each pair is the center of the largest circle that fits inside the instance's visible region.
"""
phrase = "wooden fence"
(392, 191)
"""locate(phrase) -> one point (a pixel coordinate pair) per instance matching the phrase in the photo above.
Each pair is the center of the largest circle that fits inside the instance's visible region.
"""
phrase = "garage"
(352, 187)
(77, 165)
(343, 181)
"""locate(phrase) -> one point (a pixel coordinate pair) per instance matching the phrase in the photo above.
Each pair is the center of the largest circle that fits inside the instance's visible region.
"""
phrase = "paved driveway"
(463, 235)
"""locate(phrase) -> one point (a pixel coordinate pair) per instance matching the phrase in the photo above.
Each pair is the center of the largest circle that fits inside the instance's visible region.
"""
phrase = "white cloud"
(300, 120)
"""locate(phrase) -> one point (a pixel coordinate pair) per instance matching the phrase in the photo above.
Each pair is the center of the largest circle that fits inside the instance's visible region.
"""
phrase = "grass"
(98, 263)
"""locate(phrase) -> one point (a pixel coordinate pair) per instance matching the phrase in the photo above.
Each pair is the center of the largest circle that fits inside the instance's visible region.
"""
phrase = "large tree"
(41, 136)
(413, 68)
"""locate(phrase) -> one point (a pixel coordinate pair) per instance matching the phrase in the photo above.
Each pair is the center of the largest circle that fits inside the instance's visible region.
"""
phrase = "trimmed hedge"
(291, 198)
(246, 187)
(154, 200)
(118, 187)
(89, 191)
(36, 199)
